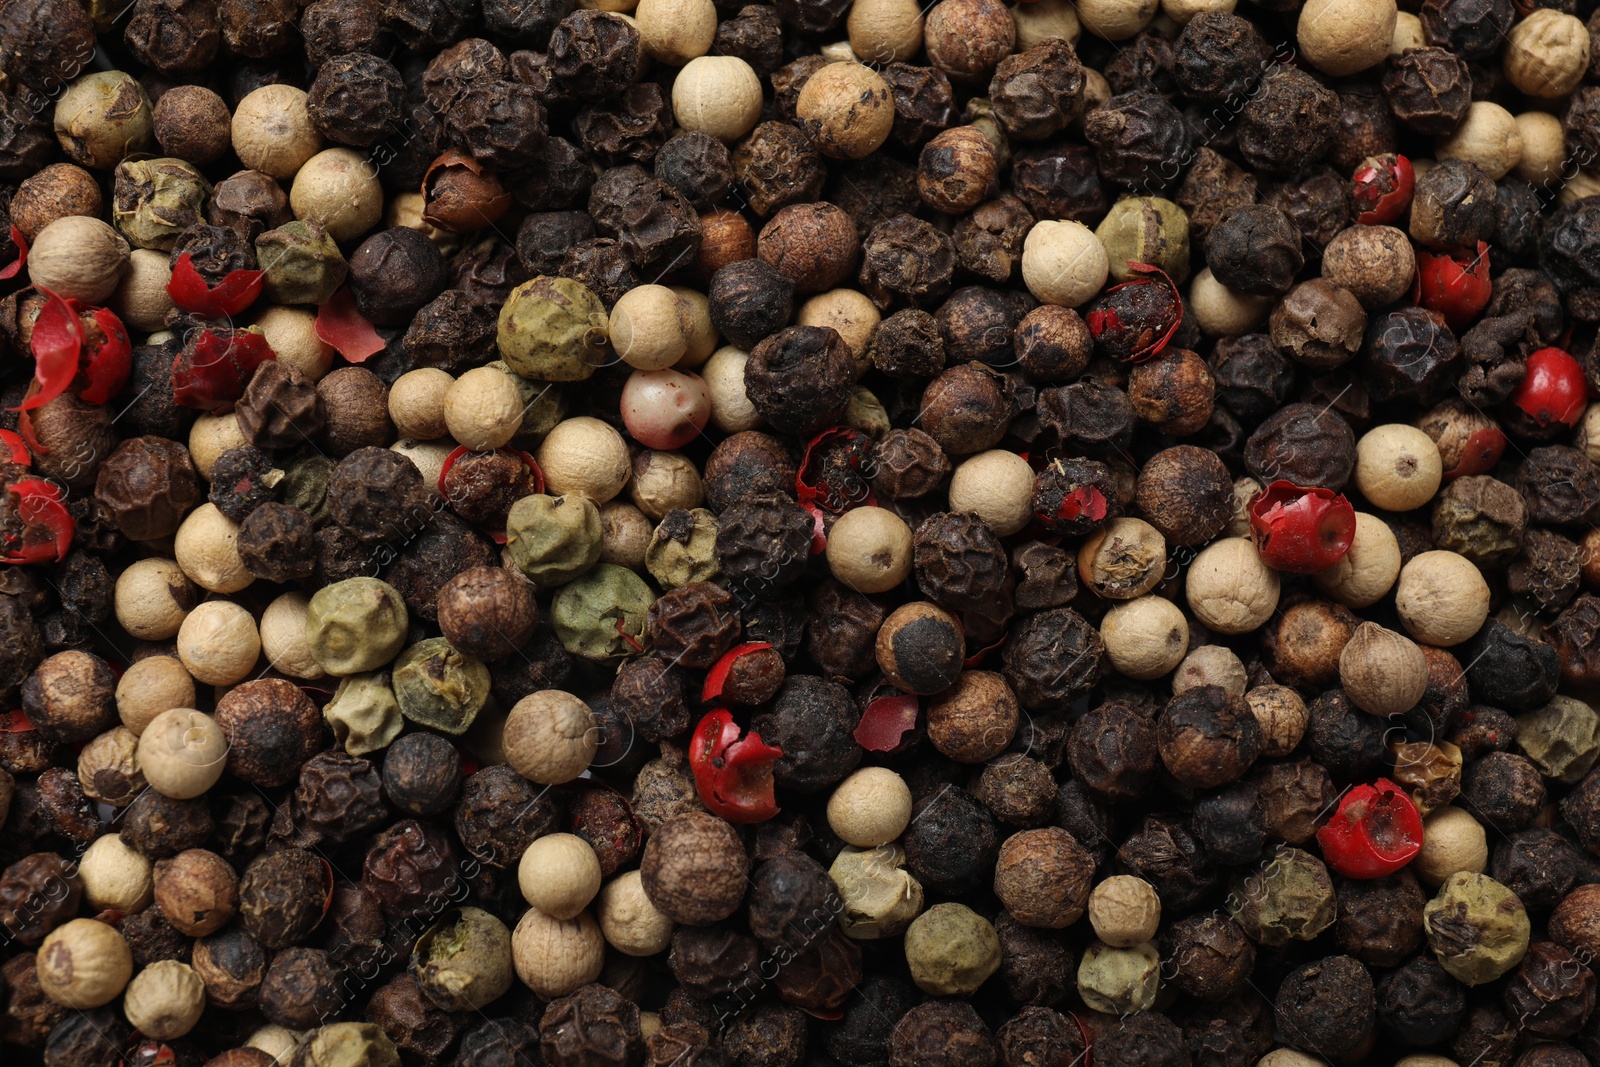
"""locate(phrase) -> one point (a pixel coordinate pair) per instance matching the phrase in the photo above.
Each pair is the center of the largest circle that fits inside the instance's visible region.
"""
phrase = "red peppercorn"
(236, 292)
(47, 526)
(1376, 831)
(733, 773)
(1301, 530)
(1553, 390)
(1456, 288)
(731, 678)
(80, 346)
(1134, 321)
(1381, 188)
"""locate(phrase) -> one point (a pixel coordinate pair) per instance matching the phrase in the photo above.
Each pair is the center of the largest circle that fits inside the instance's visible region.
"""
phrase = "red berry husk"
(733, 774)
(714, 691)
(1457, 288)
(39, 527)
(886, 722)
(232, 295)
(831, 472)
(107, 356)
(1553, 389)
(1376, 831)
(1381, 188)
(1133, 321)
(214, 365)
(79, 346)
(1301, 529)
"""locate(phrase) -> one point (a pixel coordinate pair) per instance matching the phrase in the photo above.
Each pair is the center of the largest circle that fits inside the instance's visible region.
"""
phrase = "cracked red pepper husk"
(1479, 455)
(75, 344)
(339, 324)
(717, 676)
(1456, 288)
(1301, 529)
(17, 447)
(733, 773)
(886, 722)
(830, 473)
(11, 270)
(1381, 188)
(237, 291)
(1552, 390)
(1134, 321)
(1376, 831)
(213, 368)
(46, 524)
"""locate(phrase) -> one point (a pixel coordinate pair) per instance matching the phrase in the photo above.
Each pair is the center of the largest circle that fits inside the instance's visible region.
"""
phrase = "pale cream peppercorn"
(624, 535)
(1544, 147)
(1381, 671)
(1116, 20)
(1039, 20)
(115, 876)
(1488, 136)
(1397, 467)
(83, 964)
(554, 957)
(631, 924)
(182, 753)
(1223, 312)
(846, 110)
(675, 31)
(702, 334)
(997, 486)
(219, 643)
(559, 874)
(1124, 911)
(885, 31)
(152, 597)
(1452, 841)
(1408, 33)
(851, 314)
(872, 807)
(1423, 1059)
(731, 410)
(1216, 665)
(210, 437)
(165, 1000)
(339, 188)
(1547, 54)
(663, 481)
(550, 737)
(717, 95)
(1442, 598)
(869, 550)
(1288, 1057)
(1244, 492)
(149, 687)
(275, 1041)
(1145, 637)
(1063, 262)
(428, 456)
(584, 455)
(1342, 37)
(1181, 11)
(141, 299)
(1229, 588)
(273, 132)
(101, 118)
(292, 333)
(649, 327)
(283, 638)
(1283, 716)
(1368, 570)
(483, 409)
(78, 257)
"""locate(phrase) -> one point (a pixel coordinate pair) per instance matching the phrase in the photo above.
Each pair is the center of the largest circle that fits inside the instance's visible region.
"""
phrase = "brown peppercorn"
(277, 542)
(146, 486)
(920, 648)
(487, 612)
(694, 624)
(1428, 89)
(356, 403)
(1112, 751)
(1289, 121)
(777, 165)
(1053, 344)
(1173, 392)
(232, 965)
(377, 495)
(411, 868)
(160, 826)
(191, 122)
(594, 1025)
(1135, 136)
(975, 719)
(1186, 494)
(1018, 789)
(941, 1033)
(499, 815)
(1551, 992)
(1208, 737)
(1305, 444)
(422, 774)
(956, 169)
(37, 893)
(301, 988)
(813, 245)
(1319, 324)
(799, 379)
(420, 1029)
(1212, 958)
(197, 891)
(904, 259)
(967, 409)
(272, 728)
(59, 190)
(988, 241)
(908, 464)
(750, 301)
(70, 697)
(280, 408)
(1304, 642)
(1481, 518)
(695, 869)
(843, 628)
(283, 896)
(908, 344)
(725, 237)
(967, 38)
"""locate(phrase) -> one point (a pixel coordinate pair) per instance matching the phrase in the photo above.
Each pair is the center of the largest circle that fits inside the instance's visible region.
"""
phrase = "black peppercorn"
(904, 259)
(422, 774)
(1211, 958)
(1254, 249)
(1503, 789)
(499, 814)
(159, 826)
(799, 378)
(1138, 139)
(750, 301)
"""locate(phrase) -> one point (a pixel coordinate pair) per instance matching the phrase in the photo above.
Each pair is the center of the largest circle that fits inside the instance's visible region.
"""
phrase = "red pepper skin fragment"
(18, 448)
(211, 372)
(232, 295)
(717, 676)
(810, 484)
(1553, 389)
(1376, 831)
(733, 774)
(1132, 323)
(1301, 530)
(1381, 187)
(110, 361)
(1481, 452)
(339, 324)
(10, 270)
(1457, 289)
(47, 525)
(56, 343)
(886, 722)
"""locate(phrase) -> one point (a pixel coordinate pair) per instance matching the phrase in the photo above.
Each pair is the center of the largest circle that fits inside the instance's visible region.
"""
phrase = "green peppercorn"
(1119, 980)
(1288, 898)
(602, 615)
(356, 625)
(439, 687)
(553, 330)
(1146, 229)
(363, 714)
(463, 961)
(300, 263)
(1562, 739)
(1476, 927)
(951, 950)
(553, 539)
(154, 200)
(683, 548)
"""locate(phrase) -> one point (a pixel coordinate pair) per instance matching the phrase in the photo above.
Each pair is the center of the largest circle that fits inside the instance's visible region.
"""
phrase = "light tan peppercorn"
(997, 486)
(83, 964)
(870, 808)
(1124, 911)
(554, 957)
(1145, 637)
(550, 737)
(846, 110)
(559, 874)
(1228, 587)
(1123, 559)
(182, 753)
(1442, 598)
(631, 924)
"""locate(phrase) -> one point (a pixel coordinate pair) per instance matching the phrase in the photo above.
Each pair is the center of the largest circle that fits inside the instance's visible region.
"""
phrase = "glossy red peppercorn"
(733, 773)
(1553, 390)
(1381, 188)
(1376, 831)
(232, 295)
(1456, 288)
(1300, 529)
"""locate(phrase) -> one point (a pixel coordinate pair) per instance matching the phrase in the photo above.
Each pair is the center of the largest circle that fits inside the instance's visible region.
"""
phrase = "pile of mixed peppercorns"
(695, 533)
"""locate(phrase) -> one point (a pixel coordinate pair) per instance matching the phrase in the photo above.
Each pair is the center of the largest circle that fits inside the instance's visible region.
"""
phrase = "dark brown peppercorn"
(777, 165)
(146, 486)
(356, 99)
(301, 988)
(920, 649)
(174, 37)
(1551, 993)
(1090, 416)
(356, 403)
(420, 1030)
(1173, 392)
(751, 301)
(1295, 796)
(487, 612)
(422, 774)
(242, 479)
(967, 409)
(1018, 789)
(908, 344)
(1539, 866)
(905, 259)
(1254, 249)
(151, 939)
(799, 379)
(941, 1033)
(283, 896)
(159, 826)
(1304, 444)
(232, 965)
(1039, 92)
(1380, 919)
(1208, 737)
(1328, 1006)
(1428, 89)
(272, 727)
(792, 902)
(843, 628)
(1472, 29)
(650, 694)
(1113, 751)
(755, 35)
(1218, 56)
(763, 543)
(696, 164)
(499, 815)
(813, 245)
(71, 697)
(280, 408)
(1454, 206)
(593, 1027)
(1210, 956)
(37, 893)
(1053, 658)
(694, 624)
(88, 1039)
(1504, 790)
(393, 273)
(30, 1014)
(1059, 181)
(410, 868)
(377, 495)
(813, 722)
(908, 464)
(1136, 138)
(959, 562)
(277, 542)
(1186, 494)
(924, 102)
(654, 223)
(956, 170)
(629, 129)
(1288, 122)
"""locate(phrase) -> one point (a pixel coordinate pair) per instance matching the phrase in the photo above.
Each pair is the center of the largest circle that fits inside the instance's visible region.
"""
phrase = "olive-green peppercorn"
(439, 687)
(1476, 927)
(300, 263)
(1119, 980)
(553, 330)
(1146, 229)
(1288, 898)
(951, 950)
(463, 961)
(1562, 739)
(683, 548)
(154, 200)
(602, 615)
(364, 714)
(553, 539)
(356, 625)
